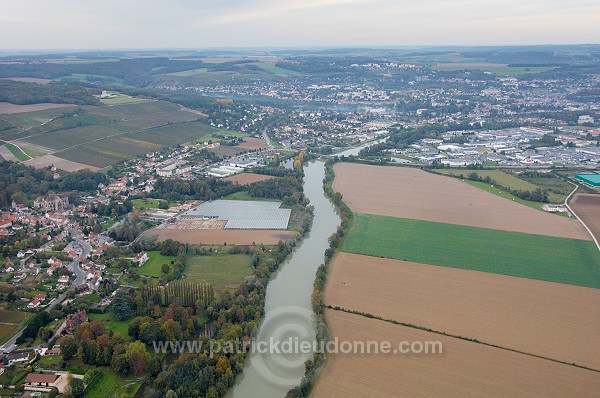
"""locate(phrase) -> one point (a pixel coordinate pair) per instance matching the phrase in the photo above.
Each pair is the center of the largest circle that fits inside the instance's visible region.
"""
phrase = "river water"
(288, 309)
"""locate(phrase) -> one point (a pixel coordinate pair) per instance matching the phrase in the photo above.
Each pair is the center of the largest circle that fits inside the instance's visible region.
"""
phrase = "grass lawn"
(219, 269)
(154, 264)
(50, 361)
(113, 385)
(570, 261)
(142, 204)
(15, 150)
(111, 323)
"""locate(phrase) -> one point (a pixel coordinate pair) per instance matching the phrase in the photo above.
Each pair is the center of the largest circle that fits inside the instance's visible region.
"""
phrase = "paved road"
(86, 248)
(265, 136)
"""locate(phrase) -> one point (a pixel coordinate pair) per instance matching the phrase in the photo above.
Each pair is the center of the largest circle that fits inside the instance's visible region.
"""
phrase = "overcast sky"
(103, 24)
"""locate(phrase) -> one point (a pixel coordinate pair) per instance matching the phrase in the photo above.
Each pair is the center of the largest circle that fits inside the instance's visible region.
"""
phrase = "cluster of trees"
(176, 190)
(546, 140)
(23, 183)
(187, 294)
(24, 93)
(288, 189)
(112, 209)
(129, 229)
(97, 347)
(32, 329)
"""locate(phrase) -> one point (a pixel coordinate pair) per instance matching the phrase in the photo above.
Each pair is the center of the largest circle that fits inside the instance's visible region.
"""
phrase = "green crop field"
(15, 150)
(221, 269)
(154, 264)
(502, 178)
(570, 261)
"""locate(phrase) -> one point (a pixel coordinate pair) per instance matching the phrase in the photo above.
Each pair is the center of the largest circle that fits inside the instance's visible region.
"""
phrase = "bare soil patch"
(63, 164)
(215, 236)
(413, 193)
(465, 369)
(248, 178)
(251, 143)
(587, 207)
(548, 319)
(6, 107)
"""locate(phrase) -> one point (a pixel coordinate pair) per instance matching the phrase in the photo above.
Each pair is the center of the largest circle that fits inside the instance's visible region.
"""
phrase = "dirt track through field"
(215, 236)
(548, 319)
(416, 194)
(465, 369)
(248, 178)
(587, 207)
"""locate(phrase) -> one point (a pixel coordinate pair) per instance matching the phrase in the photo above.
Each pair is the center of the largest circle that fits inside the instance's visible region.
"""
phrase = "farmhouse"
(141, 258)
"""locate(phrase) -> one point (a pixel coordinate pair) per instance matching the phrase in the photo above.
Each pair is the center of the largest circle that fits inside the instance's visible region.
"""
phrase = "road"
(265, 136)
(86, 248)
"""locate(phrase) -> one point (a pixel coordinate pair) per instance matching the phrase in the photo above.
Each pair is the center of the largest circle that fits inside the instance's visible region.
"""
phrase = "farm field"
(510, 181)
(9, 321)
(552, 320)
(6, 107)
(247, 178)
(465, 369)
(221, 269)
(102, 135)
(498, 69)
(63, 164)
(413, 193)
(217, 237)
(587, 206)
(249, 144)
(570, 261)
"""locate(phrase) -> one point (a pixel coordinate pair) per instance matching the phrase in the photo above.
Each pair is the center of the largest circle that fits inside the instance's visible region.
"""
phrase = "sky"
(200, 24)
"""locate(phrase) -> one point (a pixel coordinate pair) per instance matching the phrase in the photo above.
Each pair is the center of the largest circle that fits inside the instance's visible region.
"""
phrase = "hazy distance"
(101, 24)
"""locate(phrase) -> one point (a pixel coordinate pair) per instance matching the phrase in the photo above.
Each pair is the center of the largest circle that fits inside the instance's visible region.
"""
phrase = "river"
(288, 310)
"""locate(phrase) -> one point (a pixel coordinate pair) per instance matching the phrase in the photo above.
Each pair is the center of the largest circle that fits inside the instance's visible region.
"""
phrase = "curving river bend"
(288, 296)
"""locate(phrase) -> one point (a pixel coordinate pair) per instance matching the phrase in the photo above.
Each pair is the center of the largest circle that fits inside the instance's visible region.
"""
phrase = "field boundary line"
(576, 216)
(469, 339)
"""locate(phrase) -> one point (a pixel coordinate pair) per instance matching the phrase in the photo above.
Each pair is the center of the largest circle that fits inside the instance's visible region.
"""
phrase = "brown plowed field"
(416, 194)
(464, 370)
(218, 237)
(247, 178)
(63, 164)
(251, 143)
(548, 319)
(587, 206)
